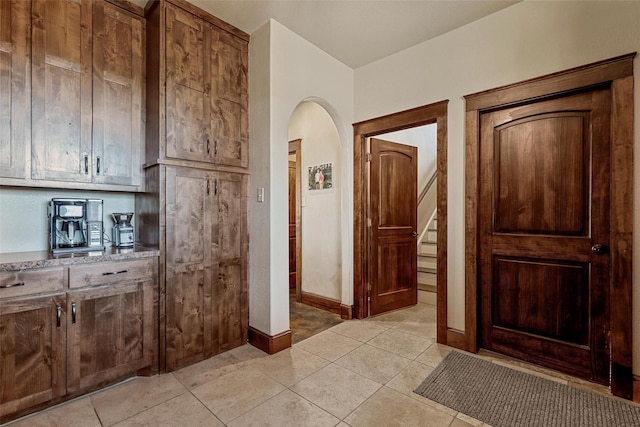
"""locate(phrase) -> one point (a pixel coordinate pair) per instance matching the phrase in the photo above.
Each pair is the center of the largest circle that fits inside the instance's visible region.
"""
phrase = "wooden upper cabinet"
(118, 85)
(88, 77)
(187, 69)
(206, 95)
(229, 104)
(61, 79)
(15, 89)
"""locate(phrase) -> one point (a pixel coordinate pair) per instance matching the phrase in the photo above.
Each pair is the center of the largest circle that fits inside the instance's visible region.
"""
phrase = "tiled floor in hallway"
(358, 373)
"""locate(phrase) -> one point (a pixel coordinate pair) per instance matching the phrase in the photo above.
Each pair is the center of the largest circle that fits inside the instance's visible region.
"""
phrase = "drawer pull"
(12, 285)
(73, 312)
(58, 315)
(109, 273)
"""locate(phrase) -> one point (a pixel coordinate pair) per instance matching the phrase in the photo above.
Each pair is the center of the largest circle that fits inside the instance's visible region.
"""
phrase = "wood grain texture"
(267, 343)
(32, 352)
(432, 113)
(15, 89)
(62, 93)
(111, 334)
(622, 235)
(393, 206)
(615, 72)
(30, 282)
(118, 95)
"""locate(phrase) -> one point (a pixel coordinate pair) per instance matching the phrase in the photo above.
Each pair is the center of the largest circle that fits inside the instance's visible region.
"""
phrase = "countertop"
(16, 261)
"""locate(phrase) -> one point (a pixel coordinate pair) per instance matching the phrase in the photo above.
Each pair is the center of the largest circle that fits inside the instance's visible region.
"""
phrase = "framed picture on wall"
(320, 177)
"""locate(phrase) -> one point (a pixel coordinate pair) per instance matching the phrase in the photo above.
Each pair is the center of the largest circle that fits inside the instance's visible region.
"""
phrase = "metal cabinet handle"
(208, 146)
(215, 148)
(58, 315)
(86, 164)
(12, 285)
(98, 166)
(109, 273)
(73, 312)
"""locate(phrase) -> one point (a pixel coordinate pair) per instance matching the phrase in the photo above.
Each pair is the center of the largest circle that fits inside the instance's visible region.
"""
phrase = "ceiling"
(356, 32)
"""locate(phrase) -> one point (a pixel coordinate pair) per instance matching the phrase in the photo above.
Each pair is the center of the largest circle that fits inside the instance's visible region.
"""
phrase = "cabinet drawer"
(27, 282)
(112, 272)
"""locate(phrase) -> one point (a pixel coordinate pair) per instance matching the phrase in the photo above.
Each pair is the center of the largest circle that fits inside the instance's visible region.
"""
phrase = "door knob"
(414, 234)
(599, 249)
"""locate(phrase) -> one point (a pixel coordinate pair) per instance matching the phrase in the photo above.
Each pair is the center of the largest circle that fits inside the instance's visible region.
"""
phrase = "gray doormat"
(504, 397)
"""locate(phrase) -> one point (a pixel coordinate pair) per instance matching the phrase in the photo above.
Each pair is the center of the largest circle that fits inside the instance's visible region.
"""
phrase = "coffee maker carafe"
(75, 225)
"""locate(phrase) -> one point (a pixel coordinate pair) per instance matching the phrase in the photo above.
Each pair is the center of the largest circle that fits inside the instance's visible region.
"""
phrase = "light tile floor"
(358, 373)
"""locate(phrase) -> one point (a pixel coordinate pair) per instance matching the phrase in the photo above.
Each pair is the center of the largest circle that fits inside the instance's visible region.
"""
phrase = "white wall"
(526, 40)
(285, 70)
(24, 226)
(322, 209)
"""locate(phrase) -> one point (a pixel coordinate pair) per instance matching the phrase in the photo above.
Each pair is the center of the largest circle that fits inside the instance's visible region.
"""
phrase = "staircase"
(428, 263)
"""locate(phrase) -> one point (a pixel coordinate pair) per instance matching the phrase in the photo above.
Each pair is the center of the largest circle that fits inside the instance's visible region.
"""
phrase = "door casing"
(420, 116)
(618, 73)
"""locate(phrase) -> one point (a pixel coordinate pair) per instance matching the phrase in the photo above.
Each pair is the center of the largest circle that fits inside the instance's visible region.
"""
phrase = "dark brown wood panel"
(110, 333)
(292, 224)
(618, 72)
(189, 266)
(544, 180)
(557, 310)
(62, 93)
(32, 352)
(15, 89)
(432, 113)
(118, 79)
(393, 183)
(230, 318)
(528, 155)
(187, 97)
(229, 102)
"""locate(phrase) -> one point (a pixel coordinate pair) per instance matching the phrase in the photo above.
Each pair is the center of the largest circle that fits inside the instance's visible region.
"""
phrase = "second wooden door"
(393, 213)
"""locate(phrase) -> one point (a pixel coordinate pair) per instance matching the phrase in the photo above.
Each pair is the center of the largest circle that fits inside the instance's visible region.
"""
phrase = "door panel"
(61, 79)
(545, 185)
(393, 207)
(188, 103)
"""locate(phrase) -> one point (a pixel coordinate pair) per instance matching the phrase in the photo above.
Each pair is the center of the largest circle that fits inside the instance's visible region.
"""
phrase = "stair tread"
(427, 270)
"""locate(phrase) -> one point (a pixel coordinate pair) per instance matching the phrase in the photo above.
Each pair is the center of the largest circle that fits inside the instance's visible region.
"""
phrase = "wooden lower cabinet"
(32, 352)
(109, 333)
(206, 264)
(57, 345)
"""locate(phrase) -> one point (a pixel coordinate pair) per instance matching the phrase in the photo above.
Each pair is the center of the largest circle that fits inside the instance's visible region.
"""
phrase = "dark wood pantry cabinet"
(195, 204)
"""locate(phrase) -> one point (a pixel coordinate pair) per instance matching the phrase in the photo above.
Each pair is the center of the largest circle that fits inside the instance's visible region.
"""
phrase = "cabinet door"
(32, 352)
(15, 89)
(229, 122)
(109, 333)
(189, 228)
(187, 98)
(61, 96)
(230, 307)
(118, 130)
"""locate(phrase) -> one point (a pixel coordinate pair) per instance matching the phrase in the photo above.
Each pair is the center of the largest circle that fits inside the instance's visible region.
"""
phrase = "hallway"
(358, 373)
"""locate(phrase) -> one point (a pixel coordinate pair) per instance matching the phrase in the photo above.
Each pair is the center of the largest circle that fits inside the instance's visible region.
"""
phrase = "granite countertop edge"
(17, 261)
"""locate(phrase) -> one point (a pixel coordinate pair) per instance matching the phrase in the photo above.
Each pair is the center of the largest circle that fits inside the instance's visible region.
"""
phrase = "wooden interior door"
(393, 212)
(292, 224)
(544, 232)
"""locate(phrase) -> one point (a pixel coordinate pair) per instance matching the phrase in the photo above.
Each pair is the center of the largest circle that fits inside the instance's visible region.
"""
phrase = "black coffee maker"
(75, 225)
